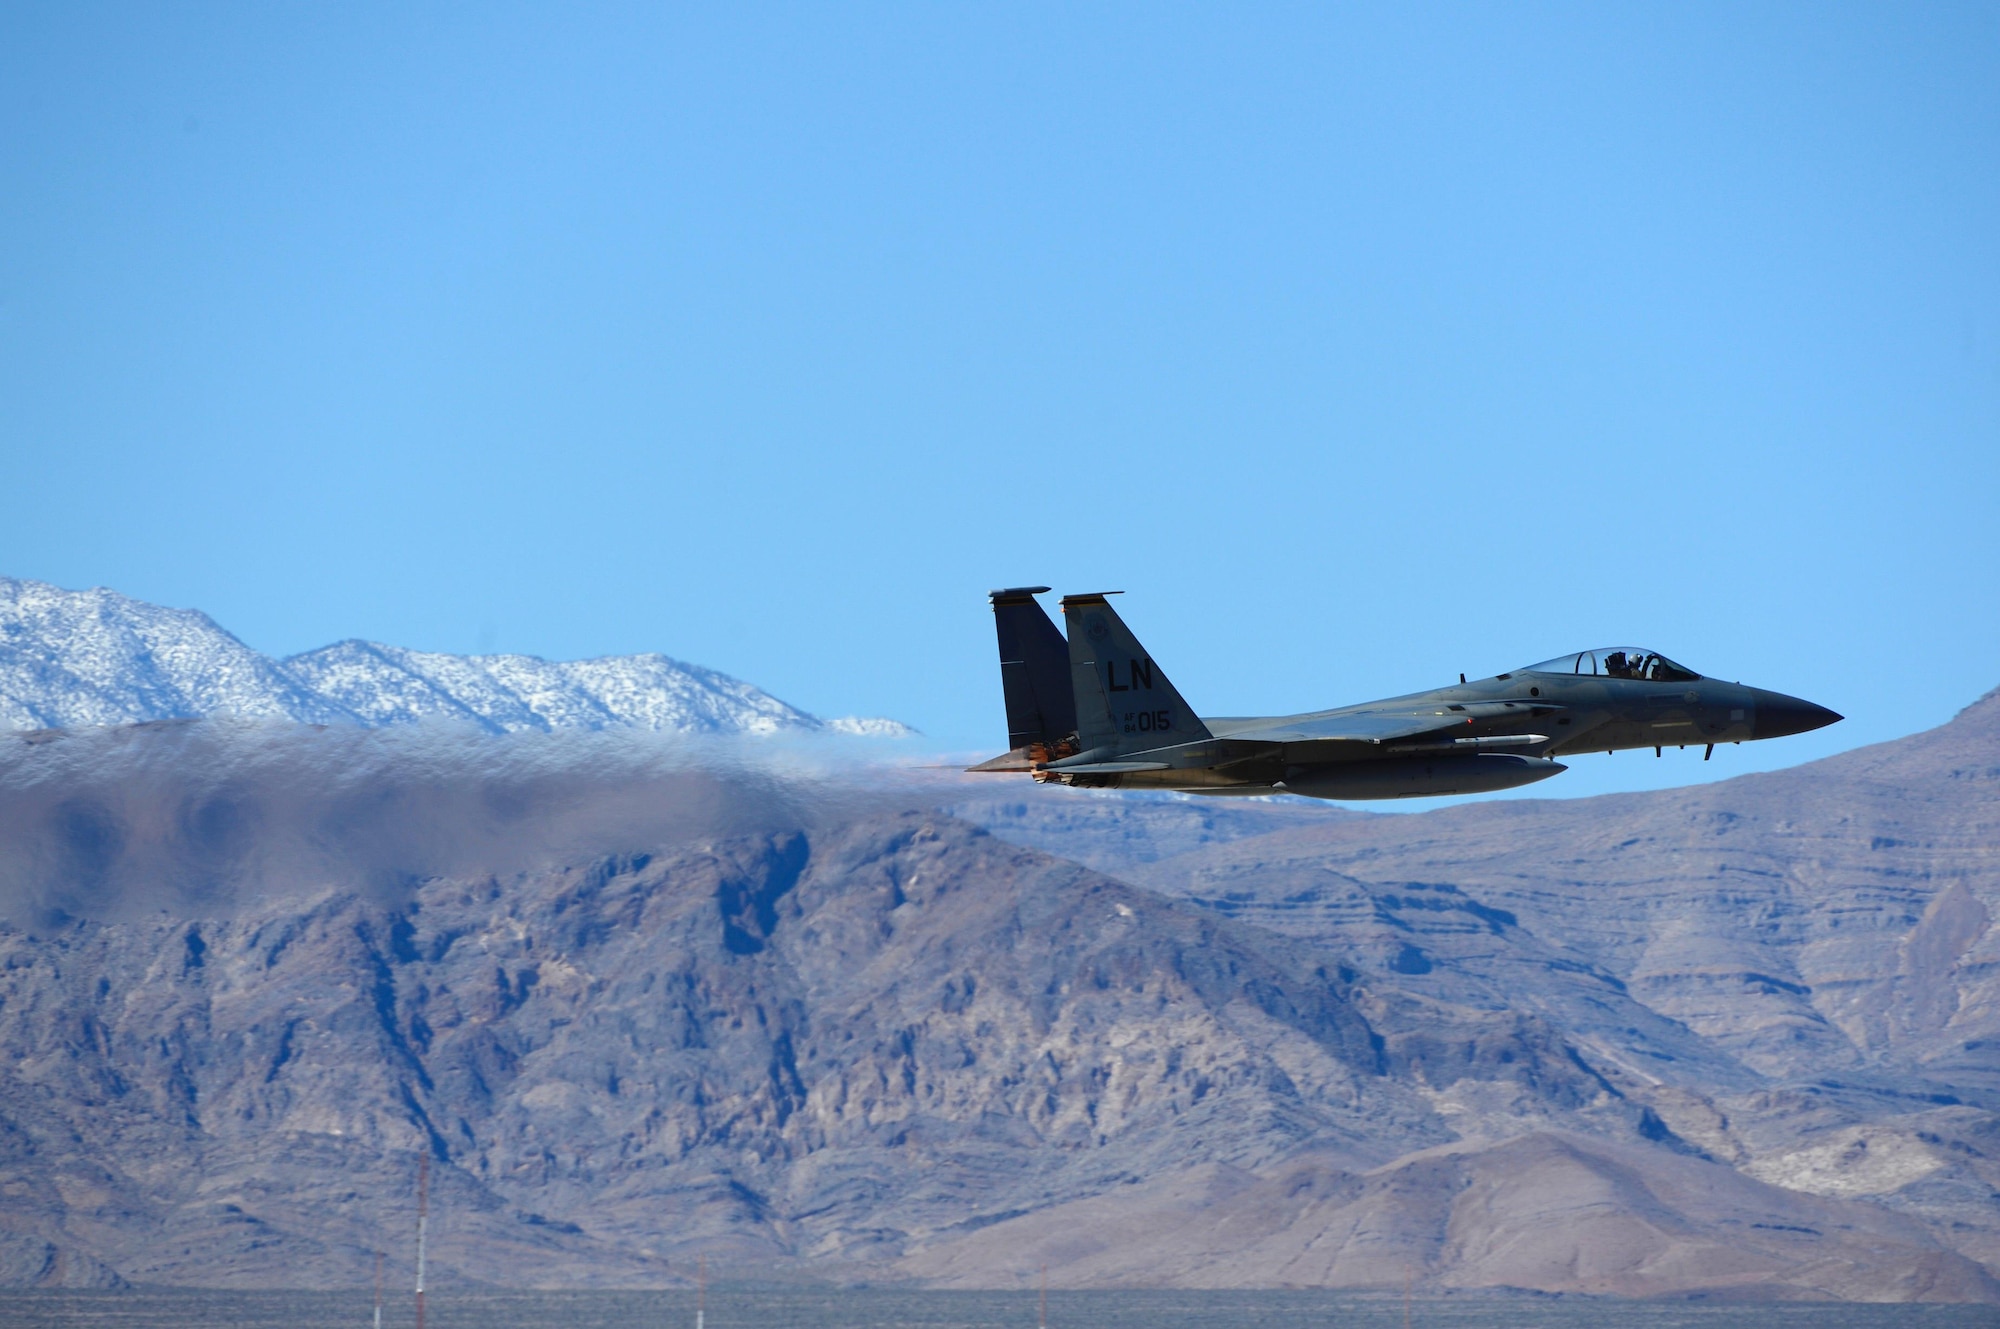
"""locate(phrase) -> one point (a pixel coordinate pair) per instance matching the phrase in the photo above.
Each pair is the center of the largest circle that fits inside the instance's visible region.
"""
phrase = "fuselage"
(1515, 726)
(1091, 707)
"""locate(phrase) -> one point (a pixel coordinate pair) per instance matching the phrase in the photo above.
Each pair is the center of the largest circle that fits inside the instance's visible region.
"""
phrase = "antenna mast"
(423, 1225)
(700, 1292)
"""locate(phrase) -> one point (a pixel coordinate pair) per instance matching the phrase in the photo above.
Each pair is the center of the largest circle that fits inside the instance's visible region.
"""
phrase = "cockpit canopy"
(1617, 662)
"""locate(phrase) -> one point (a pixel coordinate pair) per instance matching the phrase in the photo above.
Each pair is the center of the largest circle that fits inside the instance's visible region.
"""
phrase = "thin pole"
(378, 1290)
(423, 1226)
(700, 1292)
(1045, 1296)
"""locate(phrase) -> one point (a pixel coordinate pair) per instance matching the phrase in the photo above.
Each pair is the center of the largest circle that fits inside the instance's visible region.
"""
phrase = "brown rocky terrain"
(1730, 1040)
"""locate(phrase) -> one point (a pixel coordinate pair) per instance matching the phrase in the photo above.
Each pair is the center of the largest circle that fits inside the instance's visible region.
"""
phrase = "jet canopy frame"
(1632, 662)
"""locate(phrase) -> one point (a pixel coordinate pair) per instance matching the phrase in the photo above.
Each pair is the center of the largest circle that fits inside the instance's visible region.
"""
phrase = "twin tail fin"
(1123, 700)
(1034, 677)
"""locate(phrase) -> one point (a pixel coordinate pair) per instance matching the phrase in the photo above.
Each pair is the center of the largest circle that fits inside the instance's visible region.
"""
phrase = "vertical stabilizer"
(1034, 675)
(1124, 702)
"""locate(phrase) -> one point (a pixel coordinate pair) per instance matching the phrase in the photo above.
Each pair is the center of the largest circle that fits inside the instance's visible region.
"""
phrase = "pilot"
(1614, 665)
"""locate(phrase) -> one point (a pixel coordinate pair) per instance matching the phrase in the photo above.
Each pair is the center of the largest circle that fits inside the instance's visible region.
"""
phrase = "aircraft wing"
(1344, 727)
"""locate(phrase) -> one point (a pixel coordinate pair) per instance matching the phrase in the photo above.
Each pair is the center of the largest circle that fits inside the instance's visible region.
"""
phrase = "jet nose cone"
(1779, 715)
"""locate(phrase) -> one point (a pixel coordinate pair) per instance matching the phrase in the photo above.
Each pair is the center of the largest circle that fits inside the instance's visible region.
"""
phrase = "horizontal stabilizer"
(1020, 759)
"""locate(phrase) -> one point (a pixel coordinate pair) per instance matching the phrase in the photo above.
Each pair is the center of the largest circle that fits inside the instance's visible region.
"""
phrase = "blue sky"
(1359, 345)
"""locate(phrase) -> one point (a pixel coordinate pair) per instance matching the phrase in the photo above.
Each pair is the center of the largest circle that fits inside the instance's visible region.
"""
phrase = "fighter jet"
(1096, 711)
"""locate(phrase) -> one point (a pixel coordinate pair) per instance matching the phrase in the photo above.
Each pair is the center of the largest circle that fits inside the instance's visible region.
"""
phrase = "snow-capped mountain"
(71, 658)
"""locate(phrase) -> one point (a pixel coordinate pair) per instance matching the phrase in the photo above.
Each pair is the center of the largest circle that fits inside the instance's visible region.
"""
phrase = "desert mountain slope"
(1549, 1211)
(881, 1043)
(832, 1045)
(71, 658)
(1799, 966)
(1732, 1040)
(1831, 918)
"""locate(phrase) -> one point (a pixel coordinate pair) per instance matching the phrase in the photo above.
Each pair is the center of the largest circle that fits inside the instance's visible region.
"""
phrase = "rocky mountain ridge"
(70, 658)
(1800, 968)
(1735, 1040)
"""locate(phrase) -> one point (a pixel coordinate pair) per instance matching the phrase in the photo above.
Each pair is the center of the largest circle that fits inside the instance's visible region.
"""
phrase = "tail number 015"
(1147, 722)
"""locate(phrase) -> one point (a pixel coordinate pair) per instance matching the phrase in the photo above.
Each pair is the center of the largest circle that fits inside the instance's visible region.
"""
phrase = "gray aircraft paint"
(1034, 674)
(1124, 702)
(1134, 730)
